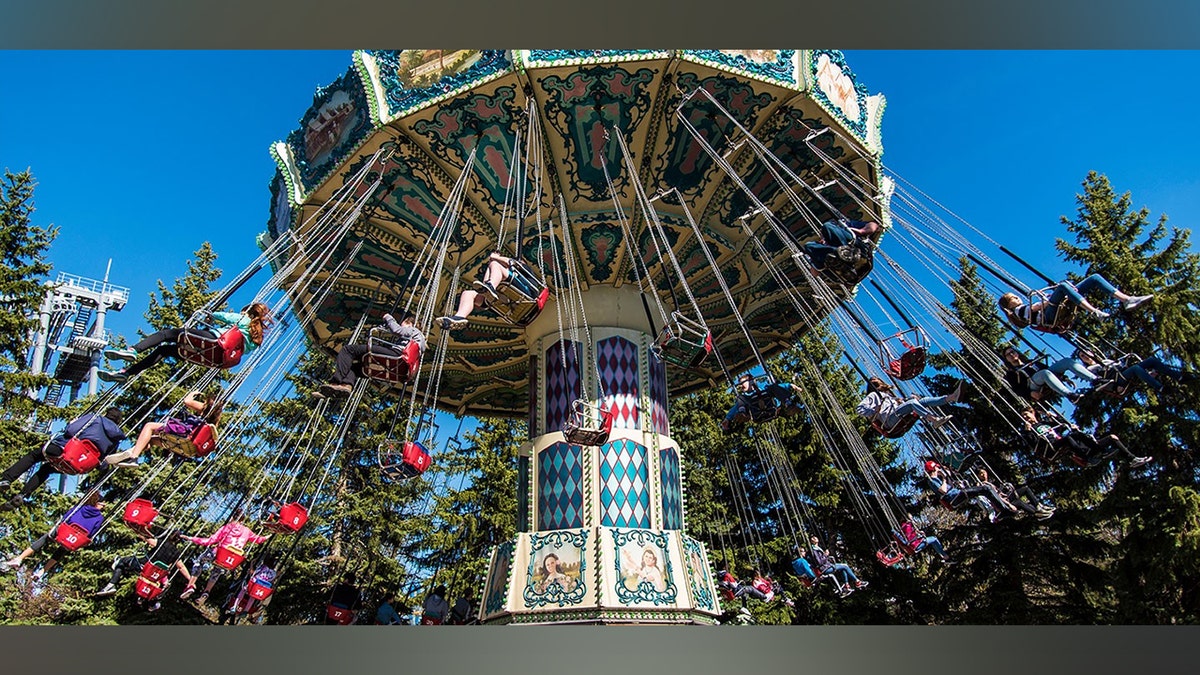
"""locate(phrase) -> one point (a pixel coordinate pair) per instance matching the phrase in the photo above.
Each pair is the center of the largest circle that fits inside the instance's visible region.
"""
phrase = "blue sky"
(141, 156)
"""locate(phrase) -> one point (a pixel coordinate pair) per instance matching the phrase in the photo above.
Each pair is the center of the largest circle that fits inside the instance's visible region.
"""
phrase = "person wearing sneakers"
(348, 365)
(103, 431)
(1043, 313)
(233, 534)
(252, 322)
(1015, 494)
(837, 237)
(1064, 436)
(825, 564)
(89, 515)
(959, 495)
(499, 269)
(167, 553)
(1029, 379)
(881, 405)
(204, 410)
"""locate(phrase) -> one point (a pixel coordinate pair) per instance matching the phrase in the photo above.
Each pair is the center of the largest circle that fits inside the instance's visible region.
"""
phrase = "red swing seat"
(79, 456)
(259, 591)
(340, 615)
(407, 461)
(71, 536)
(898, 429)
(683, 342)
(149, 589)
(521, 297)
(223, 351)
(395, 369)
(578, 431)
(154, 571)
(139, 513)
(290, 518)
(890, 555)
(229, 557)
(202, 441)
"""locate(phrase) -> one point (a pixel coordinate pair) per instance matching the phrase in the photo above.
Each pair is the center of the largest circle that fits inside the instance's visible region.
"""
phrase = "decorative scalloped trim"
(458, 84)
(368, 71)
(743, 66)
(282, 153)
(573, 57)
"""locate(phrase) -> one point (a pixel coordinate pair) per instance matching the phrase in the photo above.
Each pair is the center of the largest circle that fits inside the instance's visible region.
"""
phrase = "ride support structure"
(602, 528)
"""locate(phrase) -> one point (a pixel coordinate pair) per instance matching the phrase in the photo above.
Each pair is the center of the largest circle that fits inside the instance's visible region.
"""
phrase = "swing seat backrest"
(140, 512)
(1064, 313)
(910, 364)
(408, 461)
(890, 555)
(154, 571)
(229, 557)
(292, 517)
(521, 296)
(901, 427)
(202, 441)
(386, 367)
(578, 430)
(224, 351)
(79, 456)
(71, 536)
(341, 615)
(149, 589)
(762, 405)
(259, 590)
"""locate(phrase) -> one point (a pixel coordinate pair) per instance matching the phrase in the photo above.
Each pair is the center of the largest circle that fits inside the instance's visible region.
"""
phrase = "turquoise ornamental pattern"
(857, 125)
(498, 576)
(780, 70)
(401, 99)
(624, 484)
(337, 122)
(672, 489)
(560, 476)
(698, 575)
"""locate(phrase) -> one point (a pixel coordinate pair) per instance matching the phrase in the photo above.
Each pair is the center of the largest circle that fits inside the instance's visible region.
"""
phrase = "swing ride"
(632, 190)
(641, 217)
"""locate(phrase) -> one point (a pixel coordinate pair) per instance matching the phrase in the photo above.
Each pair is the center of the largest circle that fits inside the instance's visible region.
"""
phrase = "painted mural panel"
(643, 571)
(556, 569)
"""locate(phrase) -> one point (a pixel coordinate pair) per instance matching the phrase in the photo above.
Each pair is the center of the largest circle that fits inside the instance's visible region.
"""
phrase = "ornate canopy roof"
(432, 108)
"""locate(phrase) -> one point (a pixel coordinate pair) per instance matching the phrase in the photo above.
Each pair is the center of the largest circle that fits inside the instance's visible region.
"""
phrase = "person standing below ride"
(231, 535)
(825, 564)
(837, 236)
(103, 431)
(89, 515)
(251, 322)
(436, 608)
(1029, 379)
(348, 365)
(167, 554)
(1021, 315)
(204, 410)
(884, 407)
(499, 271)
(958, 495)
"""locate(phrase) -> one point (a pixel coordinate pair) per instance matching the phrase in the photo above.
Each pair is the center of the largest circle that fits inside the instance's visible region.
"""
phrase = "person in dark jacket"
(825, 564)
(166, 552)
(103, 431)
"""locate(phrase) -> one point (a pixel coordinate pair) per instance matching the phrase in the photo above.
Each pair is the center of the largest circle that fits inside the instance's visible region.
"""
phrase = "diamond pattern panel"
(672, 489)
(522, 493)
(560, 487)
(624, 485)
(617, 361)
(658, 395)
(562, 384)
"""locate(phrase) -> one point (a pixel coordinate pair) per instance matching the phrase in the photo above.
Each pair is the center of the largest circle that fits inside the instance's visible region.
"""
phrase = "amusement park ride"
(612, 133)
(574, 237)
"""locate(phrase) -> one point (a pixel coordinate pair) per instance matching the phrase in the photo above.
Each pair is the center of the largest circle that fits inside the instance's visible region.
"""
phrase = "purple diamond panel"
(562, 383)
(658, 396)
(617, 361)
